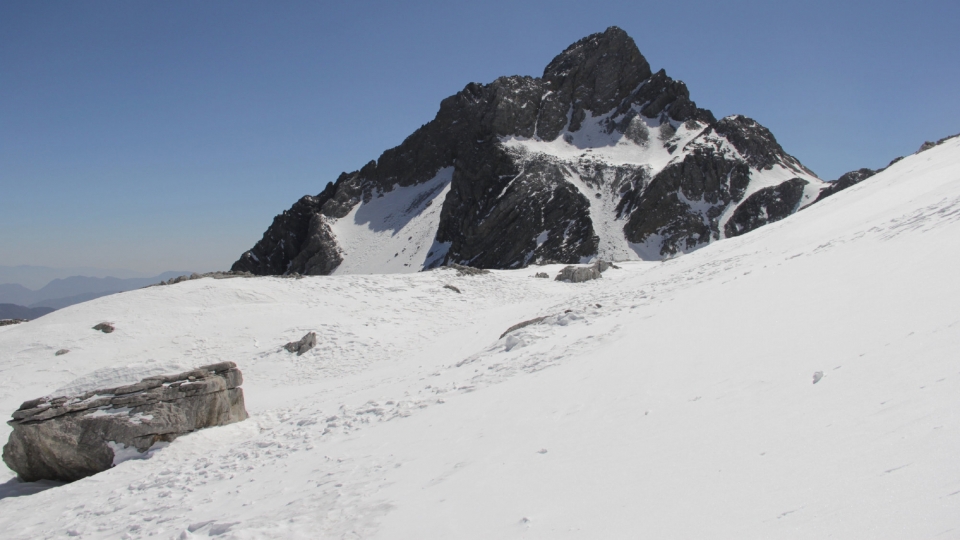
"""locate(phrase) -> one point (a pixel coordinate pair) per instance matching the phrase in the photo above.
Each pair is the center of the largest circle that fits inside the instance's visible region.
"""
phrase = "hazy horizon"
(36, 277)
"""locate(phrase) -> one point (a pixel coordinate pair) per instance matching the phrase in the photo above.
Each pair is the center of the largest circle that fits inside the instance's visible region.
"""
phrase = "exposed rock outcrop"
(105, 327)
(9, 322)
(766, 206)
(305, 343)
(579, 274)
(71, 437)
(851, 178)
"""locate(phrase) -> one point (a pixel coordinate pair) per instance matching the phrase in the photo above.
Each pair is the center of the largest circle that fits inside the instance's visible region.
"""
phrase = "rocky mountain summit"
(600, 157)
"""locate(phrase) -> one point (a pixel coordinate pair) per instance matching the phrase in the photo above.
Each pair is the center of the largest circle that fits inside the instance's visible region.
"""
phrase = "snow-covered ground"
(394, 233)
(666, 400)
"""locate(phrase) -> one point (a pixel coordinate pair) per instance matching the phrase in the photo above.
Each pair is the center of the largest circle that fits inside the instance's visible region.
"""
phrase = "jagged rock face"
(664, 208)
(756, 144)
(71, 437)
(766, 206)
(284, 240)
(598, 157)
(851, 178)
(476, 224)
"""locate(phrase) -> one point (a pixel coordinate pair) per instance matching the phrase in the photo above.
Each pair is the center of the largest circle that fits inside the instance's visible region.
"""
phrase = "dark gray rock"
(61, 352)
(452, 288)
(319, 254)
(595, 74)
(766, 206)
(305, 343)
(105, 327)
(851, 178)
(542, 275)
(756, 144)
(71, 437)
(8, 322)
(579, 274)
(603, 266)
(706, 178)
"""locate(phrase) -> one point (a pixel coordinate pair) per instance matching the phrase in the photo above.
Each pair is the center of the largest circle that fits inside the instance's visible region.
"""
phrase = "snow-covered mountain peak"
(599, 158)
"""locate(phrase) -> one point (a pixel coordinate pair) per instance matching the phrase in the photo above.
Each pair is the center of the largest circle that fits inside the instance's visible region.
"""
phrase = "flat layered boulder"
(67, 438)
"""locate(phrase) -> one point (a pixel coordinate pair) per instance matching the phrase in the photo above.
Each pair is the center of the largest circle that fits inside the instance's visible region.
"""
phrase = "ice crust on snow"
(666, 386)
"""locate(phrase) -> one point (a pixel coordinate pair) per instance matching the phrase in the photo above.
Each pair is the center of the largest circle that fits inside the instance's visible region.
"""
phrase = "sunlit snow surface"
(394, 232)
(673, 400)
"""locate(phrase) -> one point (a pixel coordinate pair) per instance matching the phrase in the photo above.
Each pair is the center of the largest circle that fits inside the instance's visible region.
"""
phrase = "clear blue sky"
(166, 135)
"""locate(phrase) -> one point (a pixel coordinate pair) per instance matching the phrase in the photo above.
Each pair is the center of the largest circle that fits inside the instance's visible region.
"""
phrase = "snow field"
(672, 400)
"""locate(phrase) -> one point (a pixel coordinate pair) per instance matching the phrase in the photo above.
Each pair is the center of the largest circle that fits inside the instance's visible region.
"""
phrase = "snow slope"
(667, 400)
(394, 233)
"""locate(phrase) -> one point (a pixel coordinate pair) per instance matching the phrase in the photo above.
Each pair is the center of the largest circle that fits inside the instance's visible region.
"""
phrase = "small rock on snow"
(306, 343)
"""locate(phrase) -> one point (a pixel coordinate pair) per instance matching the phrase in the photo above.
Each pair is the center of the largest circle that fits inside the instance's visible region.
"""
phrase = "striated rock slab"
(71, 437)
(579, 274)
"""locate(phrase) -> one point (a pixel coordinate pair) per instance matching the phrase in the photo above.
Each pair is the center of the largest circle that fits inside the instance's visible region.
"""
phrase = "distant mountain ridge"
(598, 158)
(61, 293)
(12, 311)
(34, 277)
